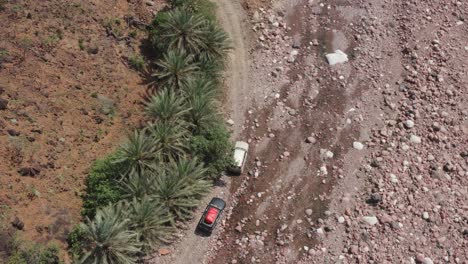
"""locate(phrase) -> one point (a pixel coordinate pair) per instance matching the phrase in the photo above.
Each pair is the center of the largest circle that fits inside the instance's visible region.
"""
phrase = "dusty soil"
(67, 97)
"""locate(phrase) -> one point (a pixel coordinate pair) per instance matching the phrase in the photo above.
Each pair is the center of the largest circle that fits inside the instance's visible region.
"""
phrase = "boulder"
(337, 57)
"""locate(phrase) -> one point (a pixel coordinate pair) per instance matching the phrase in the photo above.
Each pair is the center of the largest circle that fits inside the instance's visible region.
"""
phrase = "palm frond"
(138, 185)
(109, 239)
(149, 219)
(180, 194)
(170, 139)
(139, 152)
(187, 168)
(166, 107)
(175, 68)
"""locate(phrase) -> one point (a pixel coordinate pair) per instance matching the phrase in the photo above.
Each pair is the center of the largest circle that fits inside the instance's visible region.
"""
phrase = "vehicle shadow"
(201, 233)
(220, 183)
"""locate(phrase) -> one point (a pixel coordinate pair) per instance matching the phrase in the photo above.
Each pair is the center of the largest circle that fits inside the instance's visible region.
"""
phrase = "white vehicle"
(240, 157)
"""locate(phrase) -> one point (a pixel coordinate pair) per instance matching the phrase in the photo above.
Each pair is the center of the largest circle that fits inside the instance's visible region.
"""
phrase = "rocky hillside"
(69, 89)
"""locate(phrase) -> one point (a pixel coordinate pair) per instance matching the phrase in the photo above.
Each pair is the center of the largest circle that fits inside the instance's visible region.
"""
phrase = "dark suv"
(211, 215)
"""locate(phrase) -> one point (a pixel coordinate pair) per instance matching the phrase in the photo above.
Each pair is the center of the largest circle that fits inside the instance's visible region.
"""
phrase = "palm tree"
(200, 86)
(108, 239)
(166, 107)
(182, 30)
(138, 184)
(139, 152)
(210, 68)
(170, 140)
(202, 111)
(175, 68)
(187, 168)
(217, 42)
(180, 194)
(149, 219)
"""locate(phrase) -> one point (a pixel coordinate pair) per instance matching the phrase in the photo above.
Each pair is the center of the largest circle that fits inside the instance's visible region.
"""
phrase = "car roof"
(218, 202)
(239, 155)
(242, 145)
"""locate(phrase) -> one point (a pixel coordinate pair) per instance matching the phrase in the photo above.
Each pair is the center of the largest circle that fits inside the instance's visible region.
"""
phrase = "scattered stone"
(17, 223)
(337, 57)
(409, 124)
(341, 219)
(370, 220)
(256, 16)
(427, 261)
(164, 251)
(358, 145)
(425, 215)
(30, 171)
(13, 132)
(393, 178)
(93, 50)
(374, 199)
(107, 104)
(308, 212)
(311, 140)
(149, 3)
(415, 139)
(323, 170)
(230, 122)
(238, 228)
(3, 104)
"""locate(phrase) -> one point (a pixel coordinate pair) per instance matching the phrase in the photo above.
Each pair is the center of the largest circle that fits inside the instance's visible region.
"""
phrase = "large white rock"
(370, 220)
(337, 57)
(358, 145)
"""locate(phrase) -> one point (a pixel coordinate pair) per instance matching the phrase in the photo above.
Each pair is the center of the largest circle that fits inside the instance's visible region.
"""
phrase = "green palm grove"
(137, 196)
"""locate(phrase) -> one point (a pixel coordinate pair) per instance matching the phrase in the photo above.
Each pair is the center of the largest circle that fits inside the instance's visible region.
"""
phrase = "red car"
(211, 215)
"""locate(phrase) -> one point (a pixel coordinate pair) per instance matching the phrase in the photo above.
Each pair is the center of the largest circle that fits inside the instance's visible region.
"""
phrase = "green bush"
(76, 241)
(26, 253)
(213, 146)
(102, 185)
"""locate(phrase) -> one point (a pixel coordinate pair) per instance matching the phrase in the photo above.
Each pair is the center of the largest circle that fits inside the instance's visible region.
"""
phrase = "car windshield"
(211, 215)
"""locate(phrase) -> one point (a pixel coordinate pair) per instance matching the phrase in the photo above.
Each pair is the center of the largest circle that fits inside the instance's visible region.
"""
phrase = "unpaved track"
(193, 248)
(233, 19)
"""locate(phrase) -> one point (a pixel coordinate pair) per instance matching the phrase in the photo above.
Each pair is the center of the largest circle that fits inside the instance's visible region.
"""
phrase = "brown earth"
(69, 96)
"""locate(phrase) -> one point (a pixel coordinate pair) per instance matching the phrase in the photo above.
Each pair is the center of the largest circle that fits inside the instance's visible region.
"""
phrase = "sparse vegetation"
(81, 44)
(160, 173)
(2, 5)
(137, 62)
(26, 253)
(3, 56)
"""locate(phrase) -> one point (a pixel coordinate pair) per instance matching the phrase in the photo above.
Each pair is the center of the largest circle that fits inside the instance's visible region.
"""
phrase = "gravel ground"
(359, 162)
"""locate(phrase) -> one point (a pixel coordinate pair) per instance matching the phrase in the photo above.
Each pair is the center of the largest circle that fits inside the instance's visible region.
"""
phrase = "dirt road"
(193, 248)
